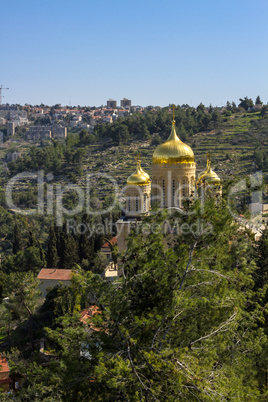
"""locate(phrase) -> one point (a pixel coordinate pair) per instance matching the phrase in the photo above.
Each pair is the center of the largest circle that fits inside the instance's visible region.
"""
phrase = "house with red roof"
(51, 277)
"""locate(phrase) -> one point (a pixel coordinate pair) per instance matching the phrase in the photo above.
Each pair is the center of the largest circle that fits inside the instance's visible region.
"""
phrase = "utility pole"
(1, 96)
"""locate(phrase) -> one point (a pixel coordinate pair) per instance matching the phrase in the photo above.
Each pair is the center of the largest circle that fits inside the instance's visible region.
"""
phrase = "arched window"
(178, 195)
(185, 187)
(145, 203)
(137, 203)
(129, 203)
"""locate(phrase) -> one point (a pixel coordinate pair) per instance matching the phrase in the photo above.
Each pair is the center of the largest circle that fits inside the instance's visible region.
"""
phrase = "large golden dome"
(173, 150)
(209, 176)
(139, 177)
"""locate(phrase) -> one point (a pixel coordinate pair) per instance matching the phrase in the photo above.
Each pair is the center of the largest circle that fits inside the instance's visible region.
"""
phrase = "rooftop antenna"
(1, 96)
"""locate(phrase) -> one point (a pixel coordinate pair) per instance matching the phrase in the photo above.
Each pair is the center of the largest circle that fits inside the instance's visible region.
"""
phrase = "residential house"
(51, 277)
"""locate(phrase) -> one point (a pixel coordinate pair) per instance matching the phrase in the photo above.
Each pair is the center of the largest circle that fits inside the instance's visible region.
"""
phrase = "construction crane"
(1, 96)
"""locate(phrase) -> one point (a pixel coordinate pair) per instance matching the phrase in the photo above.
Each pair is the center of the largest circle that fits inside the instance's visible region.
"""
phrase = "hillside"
(238, 146)
(233, 146)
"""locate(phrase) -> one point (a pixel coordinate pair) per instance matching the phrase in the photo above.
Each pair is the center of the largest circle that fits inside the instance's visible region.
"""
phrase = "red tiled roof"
(56, 274)
(4, 368)
(113, 242)
(87, 314)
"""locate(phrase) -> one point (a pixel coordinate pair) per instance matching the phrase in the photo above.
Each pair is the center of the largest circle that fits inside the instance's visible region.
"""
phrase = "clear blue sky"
(153, 52)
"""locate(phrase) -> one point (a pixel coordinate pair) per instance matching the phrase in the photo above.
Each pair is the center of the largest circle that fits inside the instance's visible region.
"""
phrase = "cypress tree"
(68, 249)
(32, 241)
(52, 255)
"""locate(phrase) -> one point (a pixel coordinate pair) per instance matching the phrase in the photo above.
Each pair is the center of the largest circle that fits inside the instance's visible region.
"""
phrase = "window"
(163, 188)
(184, 188)
(144, 202)
(129, 203)
(137, 203)
(173, 193)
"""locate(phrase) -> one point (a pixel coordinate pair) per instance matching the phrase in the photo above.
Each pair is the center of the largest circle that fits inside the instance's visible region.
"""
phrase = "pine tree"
(258, 101)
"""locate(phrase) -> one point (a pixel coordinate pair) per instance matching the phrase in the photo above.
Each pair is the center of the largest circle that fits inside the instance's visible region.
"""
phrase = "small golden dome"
(139, 177)
(209, 176)
(173, 150)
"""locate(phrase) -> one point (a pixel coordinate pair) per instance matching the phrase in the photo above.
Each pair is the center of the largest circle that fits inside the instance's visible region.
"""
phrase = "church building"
(173, 183)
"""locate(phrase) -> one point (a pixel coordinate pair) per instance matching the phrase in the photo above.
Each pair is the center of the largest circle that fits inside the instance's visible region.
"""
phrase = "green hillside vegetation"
(184, 323)
(236, 140)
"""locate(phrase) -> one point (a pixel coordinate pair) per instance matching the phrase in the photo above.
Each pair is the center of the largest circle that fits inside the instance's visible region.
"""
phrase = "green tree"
(86, 241)
(201, 108)
(68, 249)
(258, 101)
(31, 259)
(228, 106)
(32, 241)
(246, 103)
(24, 296)
(215, 118)
(263, 111)
(52, 255)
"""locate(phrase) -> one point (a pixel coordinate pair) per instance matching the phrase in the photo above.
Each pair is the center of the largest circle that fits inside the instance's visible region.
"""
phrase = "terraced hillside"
(233, 145)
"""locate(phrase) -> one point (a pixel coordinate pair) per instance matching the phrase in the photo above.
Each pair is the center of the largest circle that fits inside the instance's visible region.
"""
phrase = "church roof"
(173, 150)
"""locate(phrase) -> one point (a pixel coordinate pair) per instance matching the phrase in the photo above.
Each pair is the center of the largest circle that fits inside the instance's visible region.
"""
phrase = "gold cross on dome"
(174, 107)
(138, 157)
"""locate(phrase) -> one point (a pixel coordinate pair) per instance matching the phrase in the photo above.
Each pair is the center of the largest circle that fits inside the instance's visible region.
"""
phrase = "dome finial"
(138, 159)
(208, 162)
(173, 107)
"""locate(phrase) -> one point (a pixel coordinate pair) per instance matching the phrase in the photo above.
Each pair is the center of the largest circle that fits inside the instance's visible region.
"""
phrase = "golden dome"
(209, 176)
(173, 150)
(139, 177)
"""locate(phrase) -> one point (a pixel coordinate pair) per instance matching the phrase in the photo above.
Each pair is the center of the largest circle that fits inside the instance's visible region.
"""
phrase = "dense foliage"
(186, 321)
